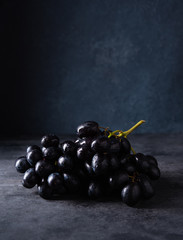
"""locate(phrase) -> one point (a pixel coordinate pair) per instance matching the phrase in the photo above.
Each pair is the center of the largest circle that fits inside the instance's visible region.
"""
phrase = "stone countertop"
(24, 215)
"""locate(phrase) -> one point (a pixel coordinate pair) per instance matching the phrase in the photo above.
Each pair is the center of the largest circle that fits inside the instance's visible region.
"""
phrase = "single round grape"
(44, 168)
(131, 193)
(72, 183)
(115, 145)
(22, 164)
(154, 173)
(152, 160)
(130, 164)
(130, 168)
(51, 153)
(44, 190)
(123, 161)
(33, 147)
(146, 186)
(142, 164)
(30, 178)
(114, 162)
(55, 181)
(88, 129)
(95, 190)
(50, 140)
(101, 144)
(66, 163)
(34, 156)
(100, 164)
(125, 145)
(84, 153)
(118, 180)
(68, 148)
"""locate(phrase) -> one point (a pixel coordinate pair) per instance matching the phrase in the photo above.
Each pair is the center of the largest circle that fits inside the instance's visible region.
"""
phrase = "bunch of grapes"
(99, 163)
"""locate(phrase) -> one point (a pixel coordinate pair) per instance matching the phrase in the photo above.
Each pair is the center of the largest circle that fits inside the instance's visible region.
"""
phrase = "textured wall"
(113, 61)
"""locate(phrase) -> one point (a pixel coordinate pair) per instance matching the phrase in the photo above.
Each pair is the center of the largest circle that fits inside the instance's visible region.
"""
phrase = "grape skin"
(43, 168)
(131, 193)
(22, 164)
(34, 156)
(30, 179)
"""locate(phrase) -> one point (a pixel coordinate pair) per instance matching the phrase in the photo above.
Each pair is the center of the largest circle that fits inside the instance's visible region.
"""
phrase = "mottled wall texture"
(113, 61)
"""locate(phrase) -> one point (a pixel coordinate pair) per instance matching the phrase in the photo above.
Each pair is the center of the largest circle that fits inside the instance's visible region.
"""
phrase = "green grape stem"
(134, 176)
(126, 133)
(133, 151)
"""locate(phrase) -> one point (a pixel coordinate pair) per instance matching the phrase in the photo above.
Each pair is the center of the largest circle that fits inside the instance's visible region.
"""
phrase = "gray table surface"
(24, 215)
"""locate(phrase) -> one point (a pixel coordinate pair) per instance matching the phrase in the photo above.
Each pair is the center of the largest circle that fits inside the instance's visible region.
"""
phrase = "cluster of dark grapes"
(96, 164)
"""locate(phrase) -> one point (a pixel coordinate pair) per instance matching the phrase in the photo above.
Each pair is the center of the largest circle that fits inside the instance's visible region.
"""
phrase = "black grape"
(115, 145)
(22, 164)
(130, 165)
(131, 193)
(146, 186)
(154, 173)
(84, 153)
(30, 178)
(66, 163)
(118, 180)
(44, 168)
(68, 148)
(55, 181)
(95, 190)
(88, 129)
(51, 153)
(142, 164)
(114, 162)
(125, 146)
(34, 156)
(130, 168)
(101, 144)
(152, 160)
(44, 190)
(33, 147)
(72, 183)
(50, 141)
(123, 160)
(100, 164)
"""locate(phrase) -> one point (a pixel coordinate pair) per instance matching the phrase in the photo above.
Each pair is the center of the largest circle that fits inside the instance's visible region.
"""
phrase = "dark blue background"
(113, 61)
